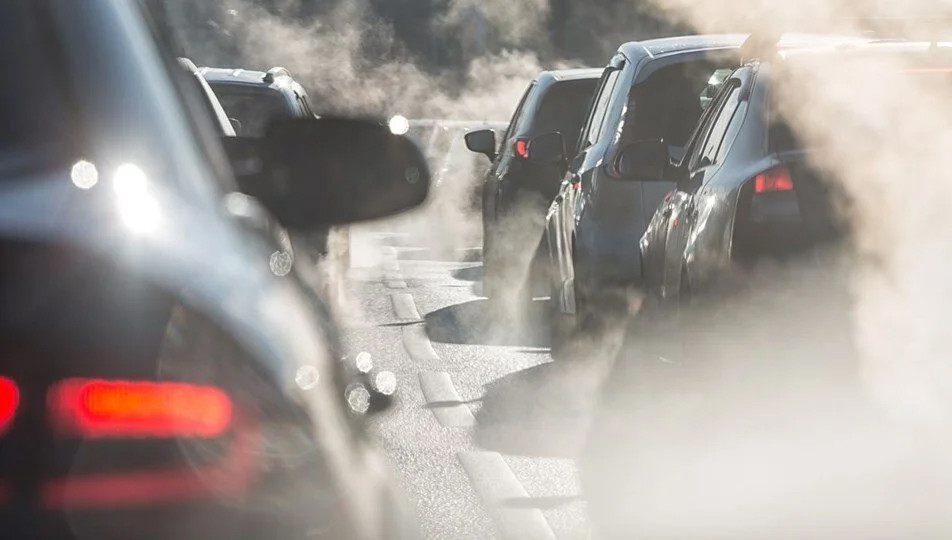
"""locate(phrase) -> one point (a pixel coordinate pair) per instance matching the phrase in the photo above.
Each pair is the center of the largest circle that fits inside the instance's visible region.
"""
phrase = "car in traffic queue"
(516, 191)
(252, 100)
(159, 378)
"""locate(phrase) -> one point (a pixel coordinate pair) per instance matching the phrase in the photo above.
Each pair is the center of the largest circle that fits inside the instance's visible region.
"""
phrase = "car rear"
(125, 412)
(792, 206)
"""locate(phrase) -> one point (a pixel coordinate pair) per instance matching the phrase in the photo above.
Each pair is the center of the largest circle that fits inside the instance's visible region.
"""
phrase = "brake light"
(9, 401)
(522, 148)
(775, 179)
(576, 186)
(100, 408)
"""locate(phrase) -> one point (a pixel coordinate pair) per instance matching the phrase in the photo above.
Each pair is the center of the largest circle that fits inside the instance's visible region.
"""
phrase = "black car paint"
(521, 188)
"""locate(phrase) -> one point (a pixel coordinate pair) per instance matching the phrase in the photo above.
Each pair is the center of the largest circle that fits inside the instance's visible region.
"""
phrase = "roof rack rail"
(276, 72)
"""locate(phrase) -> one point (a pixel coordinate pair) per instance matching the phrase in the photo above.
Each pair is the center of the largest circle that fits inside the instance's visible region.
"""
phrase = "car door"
(560, 227)
(685, 205)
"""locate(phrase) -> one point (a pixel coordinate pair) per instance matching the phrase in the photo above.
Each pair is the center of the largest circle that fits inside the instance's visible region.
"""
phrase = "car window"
(595, 121)
(733, 128)
(563, 109)
(700, 141)
(668, 104)
(253, 107)
(719, 126)
(696, 143)
(517, 118)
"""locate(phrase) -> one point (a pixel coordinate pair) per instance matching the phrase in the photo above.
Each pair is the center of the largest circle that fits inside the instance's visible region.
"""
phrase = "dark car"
(650, 89)
(516, 191)
(746, 381)
(159, 378)
(252, 100)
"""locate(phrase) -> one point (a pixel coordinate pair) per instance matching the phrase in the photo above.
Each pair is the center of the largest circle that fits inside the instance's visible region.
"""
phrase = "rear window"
(254, 108)
(564, 109)
(34, 112)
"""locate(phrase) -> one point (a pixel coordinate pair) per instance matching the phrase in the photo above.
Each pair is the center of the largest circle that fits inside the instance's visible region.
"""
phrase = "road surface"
(486, 424)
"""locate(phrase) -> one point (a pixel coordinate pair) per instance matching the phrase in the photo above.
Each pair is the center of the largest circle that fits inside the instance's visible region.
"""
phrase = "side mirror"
(318, 172)
(645, 161)
(548, 148)
(482, 142)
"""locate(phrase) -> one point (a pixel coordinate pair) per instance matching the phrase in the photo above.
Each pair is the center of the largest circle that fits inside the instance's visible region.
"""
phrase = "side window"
(517, 116)
(699, 140)
(594, 128)
(737, 119)
(720, 125)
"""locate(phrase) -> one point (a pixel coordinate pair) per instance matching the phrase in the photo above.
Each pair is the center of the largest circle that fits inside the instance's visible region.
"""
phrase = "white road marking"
(395, 284)
(404, 307)
(445, 402)
(418, 344)
(497, 486)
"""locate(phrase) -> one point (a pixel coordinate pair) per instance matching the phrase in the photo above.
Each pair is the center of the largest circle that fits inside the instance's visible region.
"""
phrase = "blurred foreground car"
(159, 376)
(743, 383)
(516, 192)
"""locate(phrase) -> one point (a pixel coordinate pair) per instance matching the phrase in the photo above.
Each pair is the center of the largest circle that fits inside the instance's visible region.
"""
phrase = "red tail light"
(775, 179)
(9, 401)
(522, 148)
(98, 408)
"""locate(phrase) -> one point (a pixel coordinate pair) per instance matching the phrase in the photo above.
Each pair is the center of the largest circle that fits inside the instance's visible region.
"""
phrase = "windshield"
(253, 108)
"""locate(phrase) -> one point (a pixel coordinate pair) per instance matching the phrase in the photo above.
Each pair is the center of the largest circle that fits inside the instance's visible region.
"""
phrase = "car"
(159, 378)
(516, 191)
(747, 375)
(252, 99)
(649, 88)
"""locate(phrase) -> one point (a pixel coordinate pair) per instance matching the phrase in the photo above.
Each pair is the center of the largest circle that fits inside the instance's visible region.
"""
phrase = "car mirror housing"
(317, 172)
(482, 141)
(548, 148)
(645, 161)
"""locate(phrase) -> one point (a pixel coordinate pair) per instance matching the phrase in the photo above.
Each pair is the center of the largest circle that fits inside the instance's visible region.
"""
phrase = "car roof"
(546, 79)
(274, 78)
(687, 44)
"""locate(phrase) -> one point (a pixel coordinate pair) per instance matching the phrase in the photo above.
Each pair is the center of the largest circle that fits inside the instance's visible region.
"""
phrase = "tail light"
(522, 148)
(92, 408)
(775, 179)
(9, 401)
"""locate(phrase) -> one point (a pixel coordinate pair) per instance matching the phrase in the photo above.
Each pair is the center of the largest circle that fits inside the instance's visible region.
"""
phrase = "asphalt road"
(486, 425)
